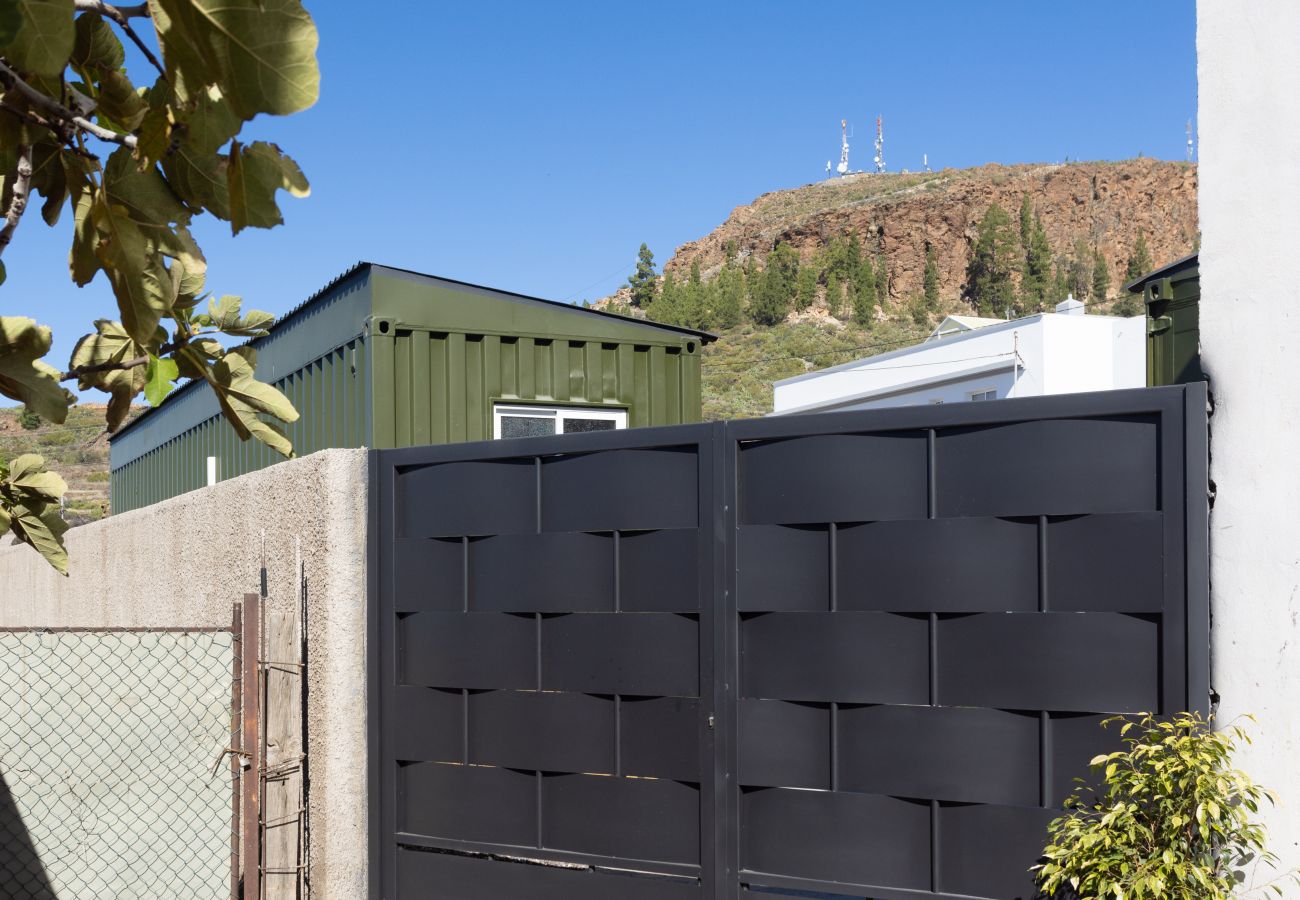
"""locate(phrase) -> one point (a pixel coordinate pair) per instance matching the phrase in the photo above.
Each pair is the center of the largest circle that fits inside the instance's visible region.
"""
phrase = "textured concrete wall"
(185, 561)
(1250, 335)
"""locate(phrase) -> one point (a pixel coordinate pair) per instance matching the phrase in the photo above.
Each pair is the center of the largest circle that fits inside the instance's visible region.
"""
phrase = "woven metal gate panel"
(860, 655)
(547, 675)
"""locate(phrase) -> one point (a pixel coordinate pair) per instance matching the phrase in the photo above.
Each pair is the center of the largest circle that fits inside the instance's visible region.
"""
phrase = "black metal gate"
(857, 655)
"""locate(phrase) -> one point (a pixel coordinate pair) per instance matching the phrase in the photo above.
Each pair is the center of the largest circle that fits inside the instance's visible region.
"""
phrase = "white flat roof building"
(970, 358)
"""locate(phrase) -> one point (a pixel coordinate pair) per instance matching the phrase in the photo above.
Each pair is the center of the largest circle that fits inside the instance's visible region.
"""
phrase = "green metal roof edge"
(296, 312)
(704, 336)
(1189, 261)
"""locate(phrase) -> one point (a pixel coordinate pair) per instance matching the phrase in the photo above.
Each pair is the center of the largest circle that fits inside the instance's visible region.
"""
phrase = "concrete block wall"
(184, 562)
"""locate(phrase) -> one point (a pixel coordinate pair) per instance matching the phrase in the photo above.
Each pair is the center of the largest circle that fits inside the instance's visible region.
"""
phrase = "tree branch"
(56, 110)
(123, 365)
(18, 205)
(120, 366)
(116, 13)
(122, 16)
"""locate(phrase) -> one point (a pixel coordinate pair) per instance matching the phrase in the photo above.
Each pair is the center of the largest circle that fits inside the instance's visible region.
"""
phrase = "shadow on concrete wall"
(21, 873)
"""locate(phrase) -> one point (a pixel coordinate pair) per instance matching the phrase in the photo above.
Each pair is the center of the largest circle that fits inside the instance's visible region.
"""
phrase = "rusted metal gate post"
(236, 758)
(249, 684)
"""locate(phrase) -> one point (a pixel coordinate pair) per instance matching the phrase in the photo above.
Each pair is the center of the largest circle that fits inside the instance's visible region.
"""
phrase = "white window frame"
(980, 396)
(557, 414)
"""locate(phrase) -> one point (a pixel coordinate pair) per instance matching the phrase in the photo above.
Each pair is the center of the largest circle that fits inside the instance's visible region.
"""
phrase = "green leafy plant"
(29, 506)
(133, 163)
(1171, 818)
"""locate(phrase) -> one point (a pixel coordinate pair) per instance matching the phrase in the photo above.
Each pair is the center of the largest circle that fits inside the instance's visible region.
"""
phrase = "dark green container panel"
(386, 358)
(1173, 298)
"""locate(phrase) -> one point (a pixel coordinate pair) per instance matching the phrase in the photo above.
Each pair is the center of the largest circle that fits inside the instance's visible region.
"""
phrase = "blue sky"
(533, 146)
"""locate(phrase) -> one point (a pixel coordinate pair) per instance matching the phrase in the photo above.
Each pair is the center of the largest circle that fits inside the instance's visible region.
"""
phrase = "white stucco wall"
(1059, 354)
(1249, 125)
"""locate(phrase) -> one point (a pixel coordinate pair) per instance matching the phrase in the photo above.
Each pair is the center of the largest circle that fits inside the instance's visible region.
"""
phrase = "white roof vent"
(1070, 307)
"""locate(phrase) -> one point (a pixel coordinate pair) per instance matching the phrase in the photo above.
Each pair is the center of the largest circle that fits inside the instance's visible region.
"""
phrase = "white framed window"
(990, 394)
(510, 421)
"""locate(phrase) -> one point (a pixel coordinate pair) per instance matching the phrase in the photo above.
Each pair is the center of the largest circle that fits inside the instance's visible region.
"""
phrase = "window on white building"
(536, 421)
(990, 394)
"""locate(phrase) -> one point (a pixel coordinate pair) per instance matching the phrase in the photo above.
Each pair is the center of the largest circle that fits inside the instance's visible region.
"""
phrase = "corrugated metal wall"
(330, 396)
(417, 360)
(441, 387)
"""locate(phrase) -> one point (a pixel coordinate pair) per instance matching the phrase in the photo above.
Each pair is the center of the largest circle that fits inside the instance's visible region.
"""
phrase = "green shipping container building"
(1172, 295)
(385, 357)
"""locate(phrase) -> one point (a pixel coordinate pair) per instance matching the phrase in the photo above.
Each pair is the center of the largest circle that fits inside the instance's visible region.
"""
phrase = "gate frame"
(1182, 410)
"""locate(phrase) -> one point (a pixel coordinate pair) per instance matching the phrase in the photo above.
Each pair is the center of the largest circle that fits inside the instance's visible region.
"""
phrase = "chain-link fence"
(109, 782)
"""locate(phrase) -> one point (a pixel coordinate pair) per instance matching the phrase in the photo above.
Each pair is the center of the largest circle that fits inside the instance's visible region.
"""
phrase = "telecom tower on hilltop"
(843, 167)
(880, 145)
(1191, 147)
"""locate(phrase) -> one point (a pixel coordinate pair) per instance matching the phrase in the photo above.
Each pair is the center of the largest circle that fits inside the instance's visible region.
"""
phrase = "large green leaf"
(10, 21)
(234, 373)
(83, 262)
(110, 344)
(44, 40)
(224, 313)
(158, 378)
(256, 173)
(27, 474)
(139, 220)
(262, 53)
(39, 524)
(194, 167)
(23, 374)
(96, 46)
(119, 101)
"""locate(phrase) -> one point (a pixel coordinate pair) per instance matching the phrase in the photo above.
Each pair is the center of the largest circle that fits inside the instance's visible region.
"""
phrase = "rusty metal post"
(250, 683)
(236, 711)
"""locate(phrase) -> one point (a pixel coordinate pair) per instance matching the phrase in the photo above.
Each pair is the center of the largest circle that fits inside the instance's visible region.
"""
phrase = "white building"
(971, 358)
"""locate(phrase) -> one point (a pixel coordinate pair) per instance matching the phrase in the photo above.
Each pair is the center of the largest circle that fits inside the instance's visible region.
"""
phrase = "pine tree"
(771, 303)
(864, 303)
(996, 256)
(931, 280)
(692, 310)
(666, 307)
(728, 306)
(1027, 222)
(863, 280)
(834, 294)
(1036, 284)
(1140, 262)
(643, 280)
(1060, 281)
(806, 288)
(1081, 271)
(1100, 277)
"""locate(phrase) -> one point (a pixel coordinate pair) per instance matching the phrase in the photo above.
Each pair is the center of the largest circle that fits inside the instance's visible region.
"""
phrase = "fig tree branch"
(56, 111)
(18, 204)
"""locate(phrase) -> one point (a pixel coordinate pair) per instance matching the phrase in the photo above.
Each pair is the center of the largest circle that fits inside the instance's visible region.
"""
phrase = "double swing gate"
(859, 655)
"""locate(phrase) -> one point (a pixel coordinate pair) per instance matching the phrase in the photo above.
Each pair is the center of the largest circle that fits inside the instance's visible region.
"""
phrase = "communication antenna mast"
(880, 145)
(925, 161)
(843, 167)
(1191, 147)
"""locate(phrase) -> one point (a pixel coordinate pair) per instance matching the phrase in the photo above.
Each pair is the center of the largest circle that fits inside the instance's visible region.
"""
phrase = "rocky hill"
(898, 215)
(895, 218)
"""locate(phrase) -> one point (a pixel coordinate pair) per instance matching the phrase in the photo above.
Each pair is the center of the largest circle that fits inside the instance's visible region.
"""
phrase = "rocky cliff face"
(898, 215)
